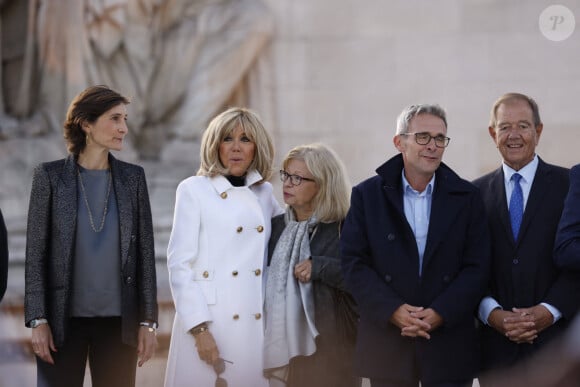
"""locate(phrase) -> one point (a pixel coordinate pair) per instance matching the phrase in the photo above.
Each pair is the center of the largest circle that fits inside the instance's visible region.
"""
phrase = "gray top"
(97, 258)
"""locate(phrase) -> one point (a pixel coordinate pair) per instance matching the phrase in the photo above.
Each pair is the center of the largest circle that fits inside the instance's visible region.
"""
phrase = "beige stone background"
(338, 72)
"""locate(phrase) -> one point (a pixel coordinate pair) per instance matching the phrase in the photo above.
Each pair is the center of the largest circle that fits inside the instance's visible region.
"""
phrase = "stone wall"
(343, 70)
(339, 72)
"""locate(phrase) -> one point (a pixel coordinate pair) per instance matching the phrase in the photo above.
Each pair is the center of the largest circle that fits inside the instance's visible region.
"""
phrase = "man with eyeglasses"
(415, 250)
(530, 301)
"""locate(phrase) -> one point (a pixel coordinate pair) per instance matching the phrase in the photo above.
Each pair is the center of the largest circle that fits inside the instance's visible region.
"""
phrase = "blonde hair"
(332, 201)
(222, 126)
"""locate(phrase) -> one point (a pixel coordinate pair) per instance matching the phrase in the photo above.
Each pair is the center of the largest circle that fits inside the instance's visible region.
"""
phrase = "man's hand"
(521, 325)
(430, 317)
(406, 318)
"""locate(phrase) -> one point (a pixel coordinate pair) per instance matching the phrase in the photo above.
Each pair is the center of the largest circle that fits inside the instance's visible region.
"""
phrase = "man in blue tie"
(529, 299)
(415, 253)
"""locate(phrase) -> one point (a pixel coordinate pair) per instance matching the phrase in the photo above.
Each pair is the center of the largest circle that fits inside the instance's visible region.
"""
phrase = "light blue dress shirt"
(417, 207)
(488, 304)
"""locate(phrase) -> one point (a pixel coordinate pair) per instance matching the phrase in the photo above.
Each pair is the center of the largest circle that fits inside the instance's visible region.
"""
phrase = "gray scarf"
(289, 304)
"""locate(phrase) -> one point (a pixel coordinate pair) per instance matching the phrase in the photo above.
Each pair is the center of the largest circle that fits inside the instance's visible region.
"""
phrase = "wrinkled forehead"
(514, 109)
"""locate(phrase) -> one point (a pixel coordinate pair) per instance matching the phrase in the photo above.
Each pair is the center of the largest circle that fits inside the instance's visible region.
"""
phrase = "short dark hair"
(87, 107)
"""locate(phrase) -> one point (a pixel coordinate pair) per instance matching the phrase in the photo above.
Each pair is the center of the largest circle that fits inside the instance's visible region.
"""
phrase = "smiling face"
(237, 152)
(300, 197)
(109, 130)
(515, 135)
(421, 161)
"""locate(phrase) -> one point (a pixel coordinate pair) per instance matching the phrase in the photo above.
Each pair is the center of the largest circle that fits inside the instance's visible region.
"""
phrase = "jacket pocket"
(205, 280)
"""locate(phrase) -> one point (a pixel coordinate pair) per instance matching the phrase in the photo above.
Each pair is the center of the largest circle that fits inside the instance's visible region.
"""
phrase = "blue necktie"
(516, 205)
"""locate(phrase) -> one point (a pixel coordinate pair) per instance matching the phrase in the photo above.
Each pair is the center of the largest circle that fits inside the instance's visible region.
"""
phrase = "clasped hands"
(416, 321)
(521, 325)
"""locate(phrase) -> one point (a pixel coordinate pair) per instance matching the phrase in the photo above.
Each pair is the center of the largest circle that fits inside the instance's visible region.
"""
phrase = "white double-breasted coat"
(216, 259)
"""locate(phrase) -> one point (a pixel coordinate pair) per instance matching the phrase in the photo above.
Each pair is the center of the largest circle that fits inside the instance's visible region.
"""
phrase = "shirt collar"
(528, 172)
(406, 186)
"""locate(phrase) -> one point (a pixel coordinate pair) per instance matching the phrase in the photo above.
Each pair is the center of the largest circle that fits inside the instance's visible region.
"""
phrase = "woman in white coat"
(216, 256)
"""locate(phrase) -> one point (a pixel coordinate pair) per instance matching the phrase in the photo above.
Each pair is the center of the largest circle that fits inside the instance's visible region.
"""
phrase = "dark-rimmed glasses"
(294, 179)
(219, 367)
(424, 138)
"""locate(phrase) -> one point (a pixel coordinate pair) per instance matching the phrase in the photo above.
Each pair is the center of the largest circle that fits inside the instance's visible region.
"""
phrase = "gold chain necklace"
(89, 208)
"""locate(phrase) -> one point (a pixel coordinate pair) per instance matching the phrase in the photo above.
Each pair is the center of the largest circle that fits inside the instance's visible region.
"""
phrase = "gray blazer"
(50, 243)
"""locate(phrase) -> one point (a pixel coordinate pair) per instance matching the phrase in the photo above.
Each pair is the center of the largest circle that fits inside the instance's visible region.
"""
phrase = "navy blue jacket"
(567, 254)
(381, 269)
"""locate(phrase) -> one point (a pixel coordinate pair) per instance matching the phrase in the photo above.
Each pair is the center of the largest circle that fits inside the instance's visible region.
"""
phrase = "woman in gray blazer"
(90, 290)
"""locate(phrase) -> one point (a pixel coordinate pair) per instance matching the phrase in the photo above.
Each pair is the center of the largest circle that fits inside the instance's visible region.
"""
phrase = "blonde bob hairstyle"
(222, 126)
(332, 200)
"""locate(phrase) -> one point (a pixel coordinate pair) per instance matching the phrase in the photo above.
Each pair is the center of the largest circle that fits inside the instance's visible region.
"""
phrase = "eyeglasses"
(294, 179)
(219, 367)
(424, 138)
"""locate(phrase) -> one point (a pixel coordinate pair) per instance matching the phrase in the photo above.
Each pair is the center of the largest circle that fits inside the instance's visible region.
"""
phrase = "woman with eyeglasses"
(306, 341)
(217, 254)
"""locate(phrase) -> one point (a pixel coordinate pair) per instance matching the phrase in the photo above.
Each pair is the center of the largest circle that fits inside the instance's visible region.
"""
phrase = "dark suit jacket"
(523, 271)
(567, 254)
(381, 268)
(3, 257)
(50, 242)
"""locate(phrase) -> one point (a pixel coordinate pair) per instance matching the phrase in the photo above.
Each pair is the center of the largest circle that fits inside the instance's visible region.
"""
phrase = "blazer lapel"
(66, 207)
(123, 197)
(537, 192)
(443, 212)
(500, 203)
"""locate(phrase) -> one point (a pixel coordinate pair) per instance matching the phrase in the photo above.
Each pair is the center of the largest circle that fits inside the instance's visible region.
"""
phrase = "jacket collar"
(221, 184)
(391, 170)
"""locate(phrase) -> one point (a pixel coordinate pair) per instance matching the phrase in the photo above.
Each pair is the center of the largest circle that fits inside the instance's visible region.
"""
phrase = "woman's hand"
(303, 270)
(42, 343)
(147, 344)
(206, 347)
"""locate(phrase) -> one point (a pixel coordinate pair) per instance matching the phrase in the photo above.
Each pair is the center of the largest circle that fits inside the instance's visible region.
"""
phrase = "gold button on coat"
(260, 228)
(236, 316)
(235, 273)
(224, 195)
(257, 272)
(258, 316)
(239, 229)
(205, 274)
